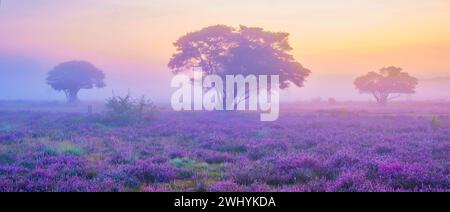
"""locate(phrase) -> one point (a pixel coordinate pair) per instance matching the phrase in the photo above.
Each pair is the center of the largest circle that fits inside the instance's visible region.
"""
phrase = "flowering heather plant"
(149, 172)
(328, 151)
(225, 186)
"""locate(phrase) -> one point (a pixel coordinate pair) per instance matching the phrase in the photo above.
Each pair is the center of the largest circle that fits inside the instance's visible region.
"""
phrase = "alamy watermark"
(237, 93)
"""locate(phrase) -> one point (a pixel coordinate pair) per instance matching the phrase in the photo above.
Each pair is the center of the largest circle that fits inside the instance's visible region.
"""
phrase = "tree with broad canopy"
(71, 77)
(222, 50)
(385, 83)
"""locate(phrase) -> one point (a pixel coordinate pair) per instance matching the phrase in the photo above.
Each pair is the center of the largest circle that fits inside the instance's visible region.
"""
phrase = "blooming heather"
(220, 151)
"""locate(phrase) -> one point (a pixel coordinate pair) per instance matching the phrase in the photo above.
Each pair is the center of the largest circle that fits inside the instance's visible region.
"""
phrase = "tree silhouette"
(224, 50)
(385, 83)
(205, 49)
(71, 77)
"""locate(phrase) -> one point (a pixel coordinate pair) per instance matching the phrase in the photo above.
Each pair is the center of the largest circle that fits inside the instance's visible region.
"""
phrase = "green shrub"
(73, 151)
(436, 122)
(126, 110)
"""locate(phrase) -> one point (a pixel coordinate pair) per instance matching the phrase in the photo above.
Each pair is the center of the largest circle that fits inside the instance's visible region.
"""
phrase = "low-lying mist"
(22, 79)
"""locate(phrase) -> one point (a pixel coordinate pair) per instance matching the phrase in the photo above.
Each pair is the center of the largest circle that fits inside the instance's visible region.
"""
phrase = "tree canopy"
(71, 77)
(224, 50)
(388, 81)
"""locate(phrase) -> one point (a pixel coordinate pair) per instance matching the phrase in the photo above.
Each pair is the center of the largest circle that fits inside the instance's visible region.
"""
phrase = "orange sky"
(331, 37)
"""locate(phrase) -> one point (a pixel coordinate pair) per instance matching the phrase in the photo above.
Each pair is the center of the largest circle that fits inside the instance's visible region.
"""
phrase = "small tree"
(71, 77)
(387, 82)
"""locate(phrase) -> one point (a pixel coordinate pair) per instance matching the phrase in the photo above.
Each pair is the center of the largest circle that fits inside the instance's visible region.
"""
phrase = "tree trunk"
(382, 98)
(383, 101)
(72, 95)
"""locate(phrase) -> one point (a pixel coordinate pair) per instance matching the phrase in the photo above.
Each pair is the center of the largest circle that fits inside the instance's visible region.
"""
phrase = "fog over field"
(24, 79)
(89, 99)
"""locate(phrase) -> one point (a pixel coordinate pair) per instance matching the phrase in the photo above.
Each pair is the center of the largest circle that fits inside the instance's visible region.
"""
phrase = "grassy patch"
(262, 133)
(63, 148)
(183, 163)
(73, 151)
(6, 158)
(212, 170)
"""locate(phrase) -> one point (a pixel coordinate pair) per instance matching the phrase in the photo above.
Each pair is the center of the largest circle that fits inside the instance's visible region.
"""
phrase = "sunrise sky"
(131, 40)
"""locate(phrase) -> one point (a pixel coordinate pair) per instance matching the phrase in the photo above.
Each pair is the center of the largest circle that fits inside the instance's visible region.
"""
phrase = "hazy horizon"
(131, 41)
(372, 113)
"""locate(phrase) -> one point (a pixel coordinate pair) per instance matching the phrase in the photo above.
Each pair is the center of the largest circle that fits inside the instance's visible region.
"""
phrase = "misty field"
(339, 148)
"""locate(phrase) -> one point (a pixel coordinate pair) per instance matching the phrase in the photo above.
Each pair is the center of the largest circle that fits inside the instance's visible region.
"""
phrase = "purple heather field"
(224, 96)
(340, 147)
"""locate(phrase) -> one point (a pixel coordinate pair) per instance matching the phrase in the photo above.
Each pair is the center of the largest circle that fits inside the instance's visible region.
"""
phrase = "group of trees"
(223, 50)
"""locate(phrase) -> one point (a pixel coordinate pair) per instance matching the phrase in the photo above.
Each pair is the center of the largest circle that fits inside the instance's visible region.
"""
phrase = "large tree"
(387, 84)
(71, 77)
(224, 50)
